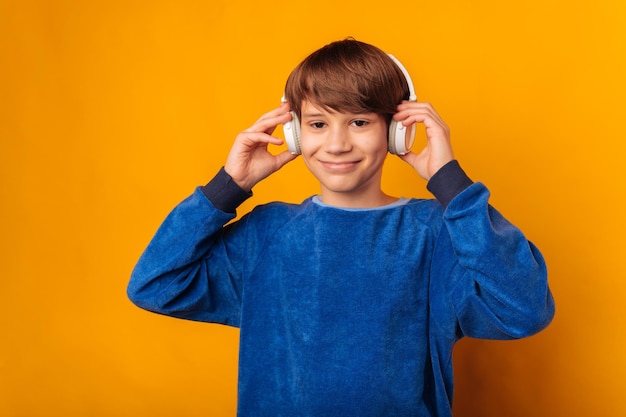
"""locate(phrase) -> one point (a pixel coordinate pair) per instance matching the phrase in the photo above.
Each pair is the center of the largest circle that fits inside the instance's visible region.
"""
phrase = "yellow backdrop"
(113, 111)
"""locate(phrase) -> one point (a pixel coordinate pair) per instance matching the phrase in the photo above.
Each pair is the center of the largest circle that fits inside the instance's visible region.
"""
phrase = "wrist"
(448, 182)
(234, 177)
(224, 193)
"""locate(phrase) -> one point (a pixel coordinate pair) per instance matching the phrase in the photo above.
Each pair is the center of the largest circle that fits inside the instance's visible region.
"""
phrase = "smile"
(339, 166)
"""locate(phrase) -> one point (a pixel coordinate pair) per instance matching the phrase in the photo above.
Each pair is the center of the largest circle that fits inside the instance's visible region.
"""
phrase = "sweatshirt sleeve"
(498, 282)
(187, 271)
(224, 193)
(448, 182)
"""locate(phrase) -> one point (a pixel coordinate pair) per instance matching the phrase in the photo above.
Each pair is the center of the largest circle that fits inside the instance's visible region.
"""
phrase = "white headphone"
(400, 138)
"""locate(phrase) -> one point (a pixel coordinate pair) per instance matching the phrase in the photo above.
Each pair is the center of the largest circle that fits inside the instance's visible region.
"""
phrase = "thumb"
(419, 162)
(409, 157)
(283, 158)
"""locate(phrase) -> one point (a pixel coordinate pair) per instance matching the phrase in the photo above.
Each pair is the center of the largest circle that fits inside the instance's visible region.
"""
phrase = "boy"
(348, 304)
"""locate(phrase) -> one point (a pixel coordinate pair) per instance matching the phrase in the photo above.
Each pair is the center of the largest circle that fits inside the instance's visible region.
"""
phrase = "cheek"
(305, 146)
(379, 142)
(307, 149)
(309, 143)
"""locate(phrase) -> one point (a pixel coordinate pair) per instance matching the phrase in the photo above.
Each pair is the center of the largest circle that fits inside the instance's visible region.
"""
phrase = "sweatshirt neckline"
(317, 199)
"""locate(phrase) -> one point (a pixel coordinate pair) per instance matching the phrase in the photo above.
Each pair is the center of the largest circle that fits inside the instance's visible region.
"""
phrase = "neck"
(350, 200)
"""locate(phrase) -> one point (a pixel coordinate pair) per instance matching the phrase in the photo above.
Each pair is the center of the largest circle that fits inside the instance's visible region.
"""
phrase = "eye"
(317, 125)
(360, 123)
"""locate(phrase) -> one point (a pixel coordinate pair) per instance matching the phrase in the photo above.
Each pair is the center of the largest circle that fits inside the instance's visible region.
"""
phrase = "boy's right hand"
(249, 160)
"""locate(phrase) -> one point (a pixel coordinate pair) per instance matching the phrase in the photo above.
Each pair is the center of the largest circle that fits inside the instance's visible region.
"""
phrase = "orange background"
(113, 111)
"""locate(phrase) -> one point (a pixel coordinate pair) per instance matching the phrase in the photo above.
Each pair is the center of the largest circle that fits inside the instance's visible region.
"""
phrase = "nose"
(337, 141)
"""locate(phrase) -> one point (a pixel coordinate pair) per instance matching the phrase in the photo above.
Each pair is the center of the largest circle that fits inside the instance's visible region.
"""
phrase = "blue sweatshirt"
(347, 312)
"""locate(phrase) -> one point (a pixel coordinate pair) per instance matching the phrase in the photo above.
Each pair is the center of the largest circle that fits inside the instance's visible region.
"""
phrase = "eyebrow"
(313, 115)
(318, 114)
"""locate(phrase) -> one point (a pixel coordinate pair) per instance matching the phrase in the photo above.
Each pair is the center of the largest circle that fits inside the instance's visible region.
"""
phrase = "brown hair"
(348, 76)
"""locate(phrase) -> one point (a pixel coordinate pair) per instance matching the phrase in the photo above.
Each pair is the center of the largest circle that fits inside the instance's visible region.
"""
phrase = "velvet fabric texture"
(347, 312)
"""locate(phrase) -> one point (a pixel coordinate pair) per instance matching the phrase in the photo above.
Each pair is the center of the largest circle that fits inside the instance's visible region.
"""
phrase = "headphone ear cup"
(400, 138)
(291, 130)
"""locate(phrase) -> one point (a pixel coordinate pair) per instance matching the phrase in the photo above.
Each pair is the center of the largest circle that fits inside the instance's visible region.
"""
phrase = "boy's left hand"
(438, 150)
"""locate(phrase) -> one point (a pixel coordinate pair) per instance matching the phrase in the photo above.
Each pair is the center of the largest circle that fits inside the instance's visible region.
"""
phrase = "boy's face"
(345, 152)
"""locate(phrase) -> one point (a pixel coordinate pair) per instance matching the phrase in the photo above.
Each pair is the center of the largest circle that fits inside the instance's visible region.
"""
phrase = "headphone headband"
(412, 95)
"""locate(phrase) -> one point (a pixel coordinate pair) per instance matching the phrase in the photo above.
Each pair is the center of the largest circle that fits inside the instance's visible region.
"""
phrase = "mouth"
(339, 166)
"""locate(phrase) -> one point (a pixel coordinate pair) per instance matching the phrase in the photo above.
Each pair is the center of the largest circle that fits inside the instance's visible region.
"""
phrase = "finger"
(408, 157)
(283, 108)
(417, 107)
(253, 139)
(268, 122)
(422, 110)
(272, 118)
(283, 158)
(425, 116)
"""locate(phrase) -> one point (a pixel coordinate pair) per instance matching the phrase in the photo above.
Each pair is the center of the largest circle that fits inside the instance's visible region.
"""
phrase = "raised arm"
(484, 266)
(249, 160)
(438, 150)
(495, 279)
(187, 271)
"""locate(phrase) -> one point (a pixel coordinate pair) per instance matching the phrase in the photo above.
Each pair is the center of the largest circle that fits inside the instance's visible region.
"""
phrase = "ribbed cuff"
(224, 193)
(448, 182)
